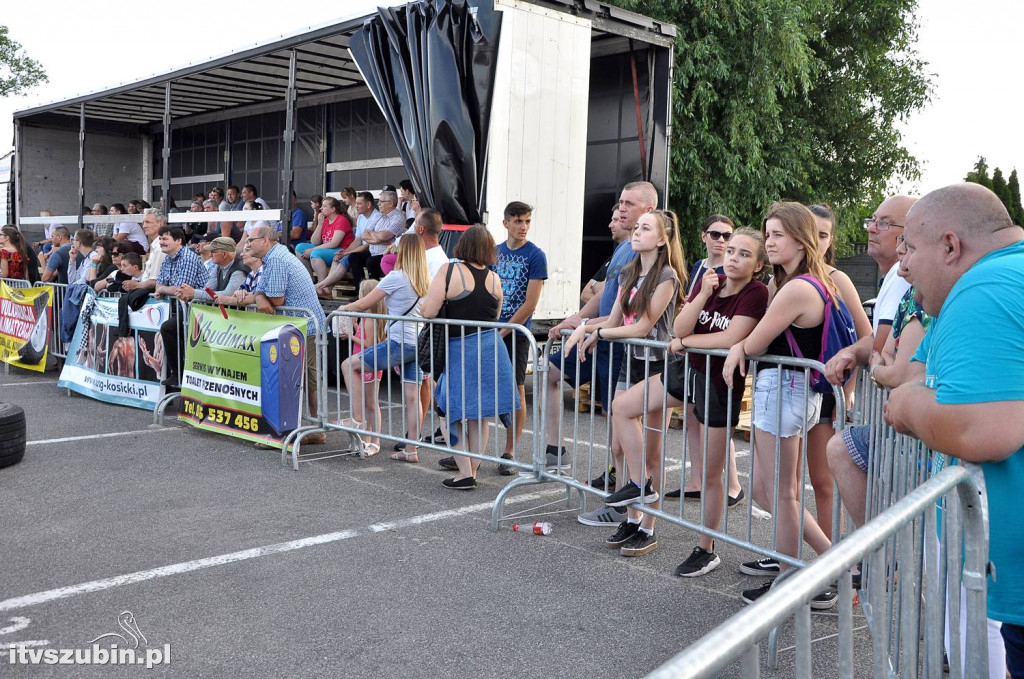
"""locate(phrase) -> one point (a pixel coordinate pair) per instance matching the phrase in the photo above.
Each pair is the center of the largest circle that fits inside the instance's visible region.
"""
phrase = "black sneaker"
(630, 493)
(825, 600)
(606, 481)
(641, 543)
(752, 595)
(674, 494)
(761, 568)
(448, 463)
(437, 438)
(507, 470)
(625, 531)
(700, 562)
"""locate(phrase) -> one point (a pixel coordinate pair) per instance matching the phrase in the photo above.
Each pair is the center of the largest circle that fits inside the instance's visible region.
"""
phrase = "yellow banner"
(25, 318)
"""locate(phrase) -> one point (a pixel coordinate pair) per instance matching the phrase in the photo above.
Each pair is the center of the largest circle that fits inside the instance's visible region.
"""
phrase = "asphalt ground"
(346, 568)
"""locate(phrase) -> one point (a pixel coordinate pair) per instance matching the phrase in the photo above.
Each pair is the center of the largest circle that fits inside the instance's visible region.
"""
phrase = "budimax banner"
(106, 367)
(243, 373)
(25, 326)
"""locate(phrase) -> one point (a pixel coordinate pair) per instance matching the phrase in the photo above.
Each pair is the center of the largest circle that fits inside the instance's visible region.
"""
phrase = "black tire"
(12, 434)
(10, 414)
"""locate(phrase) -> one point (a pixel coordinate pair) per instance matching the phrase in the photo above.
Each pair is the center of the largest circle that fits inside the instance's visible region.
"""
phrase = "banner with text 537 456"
(243, 373)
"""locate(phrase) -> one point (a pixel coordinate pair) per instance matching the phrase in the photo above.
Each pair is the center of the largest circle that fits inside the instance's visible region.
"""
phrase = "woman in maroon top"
(13, 254)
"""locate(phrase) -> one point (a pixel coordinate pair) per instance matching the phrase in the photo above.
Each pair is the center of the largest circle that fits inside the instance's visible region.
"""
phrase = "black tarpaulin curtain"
(430, 66)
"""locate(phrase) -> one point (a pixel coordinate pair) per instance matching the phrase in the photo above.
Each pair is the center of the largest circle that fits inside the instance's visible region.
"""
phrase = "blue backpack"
(837, 333)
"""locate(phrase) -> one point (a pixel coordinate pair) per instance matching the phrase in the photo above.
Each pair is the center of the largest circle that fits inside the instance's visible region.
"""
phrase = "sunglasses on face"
(719, 235)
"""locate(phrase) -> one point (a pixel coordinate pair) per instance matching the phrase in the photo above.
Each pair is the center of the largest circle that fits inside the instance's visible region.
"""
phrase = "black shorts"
(718, 403)
(674, 379)
(634, 370)
(828, 408)
(521, 356)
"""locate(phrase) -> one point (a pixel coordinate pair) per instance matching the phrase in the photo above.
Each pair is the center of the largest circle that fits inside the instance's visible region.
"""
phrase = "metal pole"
(165, 183)
(289, 138)
(81, 164)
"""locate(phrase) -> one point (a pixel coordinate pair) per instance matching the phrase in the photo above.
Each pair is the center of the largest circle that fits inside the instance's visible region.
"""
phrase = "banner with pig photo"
(122, 370)
(243, 373)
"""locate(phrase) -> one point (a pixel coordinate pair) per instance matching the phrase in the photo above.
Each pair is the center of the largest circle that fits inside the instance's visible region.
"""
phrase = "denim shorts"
(858, 444)
(390, 353)
(799, 408)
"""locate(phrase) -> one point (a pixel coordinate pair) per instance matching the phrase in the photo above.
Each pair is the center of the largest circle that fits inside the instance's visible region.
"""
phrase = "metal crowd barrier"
(591, 456)
(416, 408)
(919, 594)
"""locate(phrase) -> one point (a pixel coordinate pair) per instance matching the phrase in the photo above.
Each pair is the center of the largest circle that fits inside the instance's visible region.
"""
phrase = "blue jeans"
(390, 353)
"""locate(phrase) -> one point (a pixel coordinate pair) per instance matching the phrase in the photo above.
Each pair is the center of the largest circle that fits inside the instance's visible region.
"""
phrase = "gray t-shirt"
(401, 300)
(661, 331)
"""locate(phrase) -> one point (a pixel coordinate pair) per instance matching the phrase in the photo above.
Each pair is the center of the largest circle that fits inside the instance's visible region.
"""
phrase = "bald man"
(966, 258)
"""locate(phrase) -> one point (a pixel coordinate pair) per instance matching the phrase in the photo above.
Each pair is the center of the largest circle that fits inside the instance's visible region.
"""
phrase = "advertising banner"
(25, 318)
(106, 367)
(243, 373)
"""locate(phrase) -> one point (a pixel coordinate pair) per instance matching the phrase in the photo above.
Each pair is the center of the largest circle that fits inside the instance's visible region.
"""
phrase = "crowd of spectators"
(951, 387)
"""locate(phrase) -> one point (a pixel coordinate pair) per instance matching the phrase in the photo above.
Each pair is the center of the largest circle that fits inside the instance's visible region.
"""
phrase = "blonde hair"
(798, 222)
(412, 259)
(377, 326)
(669, 254)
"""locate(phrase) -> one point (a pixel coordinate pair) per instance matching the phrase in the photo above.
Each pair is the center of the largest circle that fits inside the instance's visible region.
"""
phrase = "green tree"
(786, 99)
(18, 72)
(1000, 188)
(979, 175)
(1016, 209)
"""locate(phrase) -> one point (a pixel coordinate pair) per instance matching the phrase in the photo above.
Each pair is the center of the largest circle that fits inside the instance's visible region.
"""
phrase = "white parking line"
(97, 436)
(33, 382)
(247, 554)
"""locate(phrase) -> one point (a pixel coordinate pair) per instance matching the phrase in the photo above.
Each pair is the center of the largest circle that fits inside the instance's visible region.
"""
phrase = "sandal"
(370, 449)
(352, 424)
(402, 456)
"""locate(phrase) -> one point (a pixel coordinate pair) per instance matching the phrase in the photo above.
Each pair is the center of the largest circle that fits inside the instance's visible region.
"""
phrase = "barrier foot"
(773, 636)
(161, 406)
(294, 439)
(499, 502)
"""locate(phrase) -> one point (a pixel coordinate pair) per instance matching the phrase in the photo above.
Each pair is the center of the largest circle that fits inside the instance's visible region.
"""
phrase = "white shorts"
(800, 408)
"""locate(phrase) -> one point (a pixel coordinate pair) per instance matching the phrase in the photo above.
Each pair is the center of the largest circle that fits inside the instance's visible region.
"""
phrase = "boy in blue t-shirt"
(523, 268)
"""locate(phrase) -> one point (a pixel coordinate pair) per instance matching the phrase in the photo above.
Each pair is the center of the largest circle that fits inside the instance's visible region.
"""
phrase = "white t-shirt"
(887, 304)
(135, 233)
(249, 226)
(436, 258)
(401, 300)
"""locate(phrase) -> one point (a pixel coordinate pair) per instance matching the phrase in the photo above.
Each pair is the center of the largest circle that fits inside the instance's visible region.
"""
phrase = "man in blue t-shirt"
(298, 232)
(523, 268)
(966, 258)
(636, 199)
(57, 261)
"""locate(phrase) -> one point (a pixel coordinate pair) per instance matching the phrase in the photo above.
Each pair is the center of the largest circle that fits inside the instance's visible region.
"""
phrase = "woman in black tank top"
(785, 408)
(477, 385)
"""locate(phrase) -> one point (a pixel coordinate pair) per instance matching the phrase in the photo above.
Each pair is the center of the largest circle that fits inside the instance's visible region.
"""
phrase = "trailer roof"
(259, 75)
